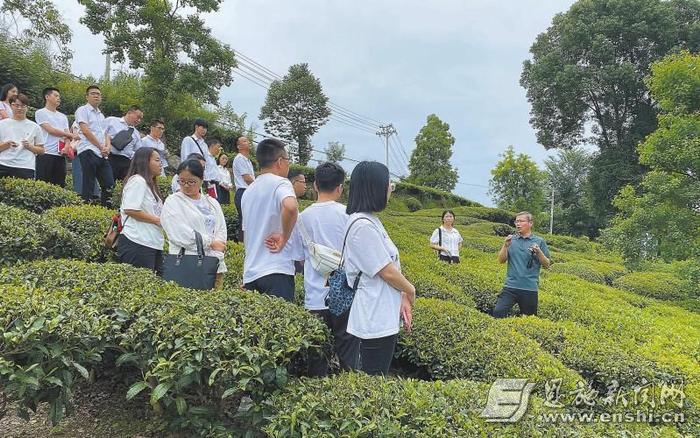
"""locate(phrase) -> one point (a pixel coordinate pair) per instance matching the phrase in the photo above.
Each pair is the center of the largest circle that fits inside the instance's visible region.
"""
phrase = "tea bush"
(36, 196)
(590, 270)
(660, 285)
(88, 223)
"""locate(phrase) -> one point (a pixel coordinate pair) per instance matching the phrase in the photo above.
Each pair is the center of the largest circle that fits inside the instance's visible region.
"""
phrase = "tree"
(587, 71)
(661, 218)
(430, 160)
(295, 108)
(180, 58)
(567, 176)
(517, 183)
(35, 21)
(335, 151)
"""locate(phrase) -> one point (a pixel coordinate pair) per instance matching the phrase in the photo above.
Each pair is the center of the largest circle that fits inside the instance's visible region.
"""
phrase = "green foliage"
(591, 270)
(295, 108)
(453, 341)
(231, 217)
(587, 72)
(180, 58)
(483, 213)
(28, 236)
(36, 196)
(430, 160)
(335, 151)
(661, 219)
(661, 285)
(88, 223)
(217, 346)
(431, 197)
(517, 184)
(412, 203)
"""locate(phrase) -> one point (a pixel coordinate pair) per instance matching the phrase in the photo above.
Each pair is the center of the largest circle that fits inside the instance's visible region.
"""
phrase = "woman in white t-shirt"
(224, 195)
(8, 92)
(188, 211)
(383, 296)
(141, 241)
(446, 240)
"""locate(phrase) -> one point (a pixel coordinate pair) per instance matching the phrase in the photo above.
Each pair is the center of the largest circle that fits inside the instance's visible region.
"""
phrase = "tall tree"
(34, 21)
(587, 71)
(567, 176)
(517, 183)
(168, 40)
(662, 217)
(335, 151)
(295, 108)
(430, 160)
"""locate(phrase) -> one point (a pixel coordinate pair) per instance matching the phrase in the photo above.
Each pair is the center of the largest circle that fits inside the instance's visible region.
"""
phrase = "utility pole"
(386, 131)
(108, 67)
(551, 213)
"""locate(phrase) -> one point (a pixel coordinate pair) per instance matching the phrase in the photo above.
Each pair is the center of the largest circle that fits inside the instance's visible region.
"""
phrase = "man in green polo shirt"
(525, 254)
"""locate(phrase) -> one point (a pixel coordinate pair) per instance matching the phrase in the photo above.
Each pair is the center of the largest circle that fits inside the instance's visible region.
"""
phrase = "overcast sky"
(391, 61)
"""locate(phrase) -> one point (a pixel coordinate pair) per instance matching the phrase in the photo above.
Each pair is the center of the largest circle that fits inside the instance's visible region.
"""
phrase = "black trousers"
(96, 167)
(51, 168)
(526, 299)
(376, 354)
(16, 172)
(223, 195)
(278, 285)
(449, 259)
(237, 201)
(346, 346)
(120, 166)
(139, 256)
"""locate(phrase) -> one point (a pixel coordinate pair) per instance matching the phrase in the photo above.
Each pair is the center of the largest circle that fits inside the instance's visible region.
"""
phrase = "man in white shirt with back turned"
(51, 166)
(94, 147)
(271, 211)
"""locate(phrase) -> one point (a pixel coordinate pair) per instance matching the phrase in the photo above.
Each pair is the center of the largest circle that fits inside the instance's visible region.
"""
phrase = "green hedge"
(357, 405)
(430, 196)
(88, 223)
(477, 212)
(590, 270)
(660, 285)
(197, 353)
(231, 216)
(450, 341)
(29, 236)
(36, 196)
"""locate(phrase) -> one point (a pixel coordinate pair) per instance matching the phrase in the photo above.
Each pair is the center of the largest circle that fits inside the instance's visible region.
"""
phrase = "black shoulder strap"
(440, 234)
(198, 146)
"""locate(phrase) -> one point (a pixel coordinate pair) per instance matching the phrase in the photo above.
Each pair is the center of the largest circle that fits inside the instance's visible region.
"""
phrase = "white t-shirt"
(175, 183)
(56, 120)
(138, 196)
(17, 130)
(325, 224)
(205, 208)
(262, 207)
(224, 177)
(115, 125)
(158, 145)
(376, 307)
(190, 146)
(242, 166)
(94, 119)
(211, 169)
(450, 240)
(8, 109)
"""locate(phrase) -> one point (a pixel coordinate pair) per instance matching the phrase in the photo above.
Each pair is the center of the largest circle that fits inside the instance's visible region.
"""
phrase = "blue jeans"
(77, 173)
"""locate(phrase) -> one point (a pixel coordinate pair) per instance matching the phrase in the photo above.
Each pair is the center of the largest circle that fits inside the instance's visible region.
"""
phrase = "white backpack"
(324, 259)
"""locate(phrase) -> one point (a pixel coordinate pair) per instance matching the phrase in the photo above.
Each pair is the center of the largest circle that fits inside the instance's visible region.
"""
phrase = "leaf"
(126, 358)
(56, 411)
(181, 405)
(228, 393)
(212, 376)
(159, 392)
(135, 389)
(81, 369)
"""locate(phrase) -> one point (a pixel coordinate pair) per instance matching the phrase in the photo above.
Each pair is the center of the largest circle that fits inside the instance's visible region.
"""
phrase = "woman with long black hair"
(141, 241)
(7, 92)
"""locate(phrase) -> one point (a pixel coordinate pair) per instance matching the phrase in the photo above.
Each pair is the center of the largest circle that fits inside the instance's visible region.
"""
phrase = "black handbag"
(191, 271)
(123, 139)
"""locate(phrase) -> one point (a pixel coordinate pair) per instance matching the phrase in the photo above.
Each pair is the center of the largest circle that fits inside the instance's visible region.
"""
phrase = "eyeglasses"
(19, 106)
(520, 221)
(284, 158)
(189, 182)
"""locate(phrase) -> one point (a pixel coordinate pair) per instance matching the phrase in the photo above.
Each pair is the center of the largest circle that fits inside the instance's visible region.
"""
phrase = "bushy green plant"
(197, 352)
(88, 223)
(231, 217)
(593, 271)
(413, 204)
(36, 196)
(29, 236)
(660, 285)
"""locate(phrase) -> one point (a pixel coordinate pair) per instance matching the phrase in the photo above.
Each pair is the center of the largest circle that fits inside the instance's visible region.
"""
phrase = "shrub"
(660, 285)
(36, 196)
(497, 215)
(452, 341)
(215, 347)
(590, 270)
(88, 223)
(430, 196)
(357, 405)
(413, 204)
(28, 236)
(231, 216)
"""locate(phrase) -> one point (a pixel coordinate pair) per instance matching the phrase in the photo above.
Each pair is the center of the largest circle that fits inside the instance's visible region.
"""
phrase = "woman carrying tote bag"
(188, 212)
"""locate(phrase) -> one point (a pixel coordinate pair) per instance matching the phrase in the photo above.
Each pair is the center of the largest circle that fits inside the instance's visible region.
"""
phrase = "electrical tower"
(386, 131)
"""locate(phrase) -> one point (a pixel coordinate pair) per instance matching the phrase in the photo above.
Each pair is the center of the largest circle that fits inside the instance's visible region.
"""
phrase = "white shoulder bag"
(324, 259)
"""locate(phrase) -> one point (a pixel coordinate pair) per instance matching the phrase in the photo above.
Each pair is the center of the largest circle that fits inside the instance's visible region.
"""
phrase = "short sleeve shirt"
(56, 120)
(192, 145)
(18, 130)
(115, 125)
(519, 276)
(95, 121)
(138, 196)
(242, 166)
(375, 309)
(158, 145)
(450, 240)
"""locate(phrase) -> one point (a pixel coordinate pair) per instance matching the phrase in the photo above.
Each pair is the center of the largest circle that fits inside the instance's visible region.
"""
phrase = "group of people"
(277, 238)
